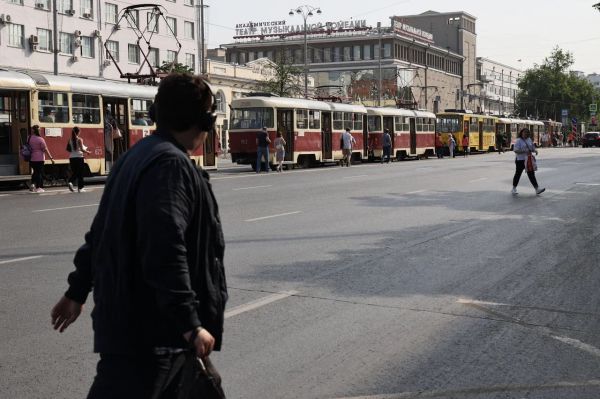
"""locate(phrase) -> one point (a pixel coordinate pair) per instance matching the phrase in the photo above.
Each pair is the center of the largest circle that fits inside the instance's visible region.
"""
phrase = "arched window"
(221, 102)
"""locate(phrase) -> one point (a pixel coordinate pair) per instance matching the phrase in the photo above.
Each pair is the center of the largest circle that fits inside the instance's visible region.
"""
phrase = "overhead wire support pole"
(380, 51)
(305, 11)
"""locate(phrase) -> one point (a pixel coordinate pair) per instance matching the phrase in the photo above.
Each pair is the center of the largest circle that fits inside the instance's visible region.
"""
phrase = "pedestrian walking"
(523, 148)
(500, 142)
(439, 146)
(451, 145)
(387, 146)
(76, 150)
(154, 256)
(348, 141)
(465, 144)
(262, 149)
(280, 150)
(39, 150)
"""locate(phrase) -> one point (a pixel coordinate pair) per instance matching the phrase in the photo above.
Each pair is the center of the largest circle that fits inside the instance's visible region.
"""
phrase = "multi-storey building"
(71, 39)
(500, 85)
(594, 79)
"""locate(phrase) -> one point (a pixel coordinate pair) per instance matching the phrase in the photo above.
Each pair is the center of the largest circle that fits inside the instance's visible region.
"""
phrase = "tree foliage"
(177, 68)
(548, 88)
(286, 80)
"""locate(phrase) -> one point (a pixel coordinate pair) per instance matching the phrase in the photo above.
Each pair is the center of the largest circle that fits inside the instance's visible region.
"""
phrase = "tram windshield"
(449, 124)
(252, 118)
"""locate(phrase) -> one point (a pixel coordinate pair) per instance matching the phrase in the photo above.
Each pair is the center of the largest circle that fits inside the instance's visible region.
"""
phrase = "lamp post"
(305, 11)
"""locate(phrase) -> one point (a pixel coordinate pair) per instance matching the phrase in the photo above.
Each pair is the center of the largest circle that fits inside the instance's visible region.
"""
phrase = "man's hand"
(65, 312)
(204, 342)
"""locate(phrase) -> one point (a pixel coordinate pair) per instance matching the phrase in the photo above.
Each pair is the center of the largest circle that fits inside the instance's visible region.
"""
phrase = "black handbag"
(200, 379)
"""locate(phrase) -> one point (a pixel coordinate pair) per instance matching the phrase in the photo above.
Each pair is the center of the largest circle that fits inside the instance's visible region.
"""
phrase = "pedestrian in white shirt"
(522, 148)
(349, 141)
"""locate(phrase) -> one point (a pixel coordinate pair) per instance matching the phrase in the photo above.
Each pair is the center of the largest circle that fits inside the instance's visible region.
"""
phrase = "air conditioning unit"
(70, 12)
(34, 47)
(77, 42)
(40, 5)
(87, 14)
(107, 63)
(33, 39)
(4, 19)
(77, 33)
(97, 33)
(74, 58)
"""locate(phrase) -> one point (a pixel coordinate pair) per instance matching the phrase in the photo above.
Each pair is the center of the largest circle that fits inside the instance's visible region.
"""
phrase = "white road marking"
(258, 303)
(588, 184)
(20, 259)
(66, 207)
(272, 216)
(250, 188)
(480, 179)
(354, 177)
(4, 195)
(416, 192)
(463, 300)
(578, 344)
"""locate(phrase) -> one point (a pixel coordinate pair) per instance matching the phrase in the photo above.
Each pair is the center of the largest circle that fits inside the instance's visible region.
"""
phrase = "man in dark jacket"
(386, 145)
(153, 255)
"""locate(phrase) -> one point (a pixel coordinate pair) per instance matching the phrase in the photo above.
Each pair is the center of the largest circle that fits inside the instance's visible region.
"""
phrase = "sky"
(518, 33)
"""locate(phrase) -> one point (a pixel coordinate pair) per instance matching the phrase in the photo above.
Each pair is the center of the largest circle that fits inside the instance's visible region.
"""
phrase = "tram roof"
(341, 107)
(32, 80)
(424, 114)
(521, 121)
(390, 111)
(280, 102)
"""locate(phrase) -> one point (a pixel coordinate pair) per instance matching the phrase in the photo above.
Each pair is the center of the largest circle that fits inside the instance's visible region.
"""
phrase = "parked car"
(591, 139)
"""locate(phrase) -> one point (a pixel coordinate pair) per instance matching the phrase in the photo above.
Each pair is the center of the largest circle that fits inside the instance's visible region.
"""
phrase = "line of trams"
(312, 129)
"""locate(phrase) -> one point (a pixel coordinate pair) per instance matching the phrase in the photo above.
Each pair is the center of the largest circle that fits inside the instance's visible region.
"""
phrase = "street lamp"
(305, 11)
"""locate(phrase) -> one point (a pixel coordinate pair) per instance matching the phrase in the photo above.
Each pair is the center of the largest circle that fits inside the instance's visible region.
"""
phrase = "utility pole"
(55, 36)
(305, 11)
(380, 53)
(201, 51)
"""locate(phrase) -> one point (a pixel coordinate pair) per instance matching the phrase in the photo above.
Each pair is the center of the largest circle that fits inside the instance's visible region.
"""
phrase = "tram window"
(139, 112)
(252, 118)
(86, 109)
(301, 118)
(53, 107)
(348, 120)
(314, 119)
(419, 124)
(448, 124)
(358, 121)
(338, 120)
(374, 123)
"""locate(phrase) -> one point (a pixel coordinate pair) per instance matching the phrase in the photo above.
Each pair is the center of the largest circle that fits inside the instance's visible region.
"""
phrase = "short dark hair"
(181, 101)
(35, 129)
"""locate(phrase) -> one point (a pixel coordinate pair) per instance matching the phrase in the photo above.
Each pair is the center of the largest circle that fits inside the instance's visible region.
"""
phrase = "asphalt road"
(417, 279)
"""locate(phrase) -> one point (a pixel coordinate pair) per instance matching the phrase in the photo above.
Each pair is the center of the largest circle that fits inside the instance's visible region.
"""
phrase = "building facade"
(594, 79)
(500, 85)
(31, 32)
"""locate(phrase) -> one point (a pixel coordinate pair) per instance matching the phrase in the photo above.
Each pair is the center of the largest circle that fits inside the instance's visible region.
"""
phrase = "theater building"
(417, 69)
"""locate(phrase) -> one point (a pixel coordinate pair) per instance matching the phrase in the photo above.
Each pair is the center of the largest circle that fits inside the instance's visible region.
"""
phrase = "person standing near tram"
(262, 149)
(348, 141)
(465, 144)
(39, 150)
(387, 146)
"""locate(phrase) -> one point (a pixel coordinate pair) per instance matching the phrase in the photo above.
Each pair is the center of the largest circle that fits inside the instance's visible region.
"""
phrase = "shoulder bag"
(530, 162)
(116, 133)
(200, 379)
(26, 150)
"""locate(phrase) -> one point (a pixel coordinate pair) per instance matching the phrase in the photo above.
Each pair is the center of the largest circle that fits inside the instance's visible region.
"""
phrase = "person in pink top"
(38, 156)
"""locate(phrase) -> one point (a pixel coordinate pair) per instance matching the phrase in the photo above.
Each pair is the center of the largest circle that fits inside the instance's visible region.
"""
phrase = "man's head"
(184, 102)
(264, 129)
(387, 130)
(348, 129)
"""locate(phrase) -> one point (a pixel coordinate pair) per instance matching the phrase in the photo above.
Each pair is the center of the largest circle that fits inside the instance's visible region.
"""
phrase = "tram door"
(14, 125)
(413, 136)
(209, 148)
(480, 135)
(118, 108)
(326, 136)
(285, 124)
(366, 136)
(388, 123)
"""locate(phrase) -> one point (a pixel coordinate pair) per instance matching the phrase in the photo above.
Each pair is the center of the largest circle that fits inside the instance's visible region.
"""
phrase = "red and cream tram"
(413, 132)
(312, 129)
(58, 103)
(510, 128)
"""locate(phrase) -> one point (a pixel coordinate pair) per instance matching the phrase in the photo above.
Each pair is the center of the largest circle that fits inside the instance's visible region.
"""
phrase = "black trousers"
(37, 177)
(520, 168)
(77, 167)
(136, 377)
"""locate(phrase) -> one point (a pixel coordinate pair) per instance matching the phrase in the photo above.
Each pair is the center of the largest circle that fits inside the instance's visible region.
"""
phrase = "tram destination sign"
(278, 28)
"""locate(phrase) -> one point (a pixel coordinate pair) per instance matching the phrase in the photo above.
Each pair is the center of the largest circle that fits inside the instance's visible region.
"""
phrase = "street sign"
(564, 112)
(574, 121)
(594, 108)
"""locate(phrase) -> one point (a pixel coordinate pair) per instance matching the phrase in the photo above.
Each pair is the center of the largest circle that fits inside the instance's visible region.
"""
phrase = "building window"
(337, 54)
(42, 4)
(64, 6)
(327, 54)
(133, 16)
(153, 57)
(66, 43)
(87, 47)
(113, 47)
(152, 22)
(133, 54)
(356, 53)
(220, 100)
(172, 24)
(387, 50)
(188, 2)
(44, 39)
(188, 30)
(367, 52)
(19, 2)
(86, 109)
(87, 11)
(111, 12)
(171, 56)
(190, 60)
(16, 33)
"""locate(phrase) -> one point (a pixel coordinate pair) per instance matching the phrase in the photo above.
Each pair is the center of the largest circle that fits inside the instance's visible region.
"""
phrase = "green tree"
(548, 88)
(285, 79)
(168, 67)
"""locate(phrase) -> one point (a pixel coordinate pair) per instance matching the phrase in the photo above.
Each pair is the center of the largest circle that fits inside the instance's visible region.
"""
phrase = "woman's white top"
(78, 151)
(522, 148)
